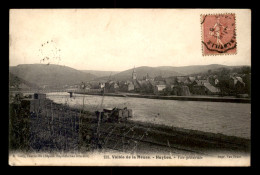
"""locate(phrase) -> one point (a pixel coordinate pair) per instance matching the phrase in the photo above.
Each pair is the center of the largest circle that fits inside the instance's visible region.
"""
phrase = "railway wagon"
(115, 114)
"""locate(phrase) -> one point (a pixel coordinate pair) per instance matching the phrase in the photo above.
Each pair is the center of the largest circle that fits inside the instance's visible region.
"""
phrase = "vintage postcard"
(130, 87)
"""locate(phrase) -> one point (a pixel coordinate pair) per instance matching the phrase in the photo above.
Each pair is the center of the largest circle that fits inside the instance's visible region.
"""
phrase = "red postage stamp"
(218, 34)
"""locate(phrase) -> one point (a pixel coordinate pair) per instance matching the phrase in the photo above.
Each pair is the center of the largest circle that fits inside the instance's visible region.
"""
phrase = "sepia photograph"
(129, 87)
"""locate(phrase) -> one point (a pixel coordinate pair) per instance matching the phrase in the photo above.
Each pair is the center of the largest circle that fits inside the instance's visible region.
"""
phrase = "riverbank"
(182, 98)
(58, 127)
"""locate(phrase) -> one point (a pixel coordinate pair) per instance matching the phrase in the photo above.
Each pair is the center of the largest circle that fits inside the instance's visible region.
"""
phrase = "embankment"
(182, 98)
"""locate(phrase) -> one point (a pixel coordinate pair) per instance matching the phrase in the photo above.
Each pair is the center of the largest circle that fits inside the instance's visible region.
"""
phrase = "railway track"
(115, 137)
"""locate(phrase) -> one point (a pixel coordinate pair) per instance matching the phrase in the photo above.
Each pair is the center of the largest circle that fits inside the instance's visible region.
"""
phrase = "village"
(232, 84)
(41, 124)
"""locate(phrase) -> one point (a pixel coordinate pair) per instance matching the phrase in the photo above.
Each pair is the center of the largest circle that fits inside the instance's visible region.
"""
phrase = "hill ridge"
(55, 75)
(52, 75)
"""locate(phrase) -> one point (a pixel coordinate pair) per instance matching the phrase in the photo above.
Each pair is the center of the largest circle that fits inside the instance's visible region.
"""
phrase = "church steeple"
(134, 74)
(147, 77)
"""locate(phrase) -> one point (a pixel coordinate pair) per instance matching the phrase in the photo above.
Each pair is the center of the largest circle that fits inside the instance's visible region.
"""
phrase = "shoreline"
(161, 97)
(181, 98)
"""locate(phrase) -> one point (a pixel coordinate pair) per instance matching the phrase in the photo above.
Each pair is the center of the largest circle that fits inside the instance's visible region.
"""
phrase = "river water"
(233, 119)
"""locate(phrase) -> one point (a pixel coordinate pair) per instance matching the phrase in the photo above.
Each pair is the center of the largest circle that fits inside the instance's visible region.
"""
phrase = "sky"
(117, 40)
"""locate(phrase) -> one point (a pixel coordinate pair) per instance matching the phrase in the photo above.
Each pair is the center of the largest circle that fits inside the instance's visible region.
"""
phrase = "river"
(233, 119)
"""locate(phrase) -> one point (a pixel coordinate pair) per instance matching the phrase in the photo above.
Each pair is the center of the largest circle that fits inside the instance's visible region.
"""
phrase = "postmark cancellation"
(218, 34)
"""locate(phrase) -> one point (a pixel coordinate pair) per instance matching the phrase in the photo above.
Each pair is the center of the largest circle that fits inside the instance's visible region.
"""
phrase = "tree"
(224, 72)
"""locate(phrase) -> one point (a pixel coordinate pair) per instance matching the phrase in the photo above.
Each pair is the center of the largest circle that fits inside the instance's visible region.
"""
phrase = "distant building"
(183, 80)
(236, 82)
(82, 85)
(216, 81)
(101, 85)
(181, 90)
(111, 86)
(87, 86)
(126, 86)
(178, 85)
(39, 96)
(145, 86)
(191, 79)
(200, 82)
(94, 85)
(170, 81)
(205, 89)
(159, 88)
(213, 80)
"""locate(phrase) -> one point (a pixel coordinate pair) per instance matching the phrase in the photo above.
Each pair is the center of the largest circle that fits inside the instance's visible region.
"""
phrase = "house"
(191, 79)
(247, 81)
(170, 81)
(158, 86)
(205, 89)
(82, 85)
(216, 81)
(179, 85)
(122, 86)
(181, 80)
(213, 80)
(126, 86)
(130, 86)
(181, 90)
(236, 82)
(39, 96)
(94, 85)
(101, 85)
(111, 86)
(212, 90)
(200, 82)
(87, 86)
(184, 80)
(145, 86)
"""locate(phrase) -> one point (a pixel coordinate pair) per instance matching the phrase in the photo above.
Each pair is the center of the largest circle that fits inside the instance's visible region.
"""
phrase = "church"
(142, 85)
